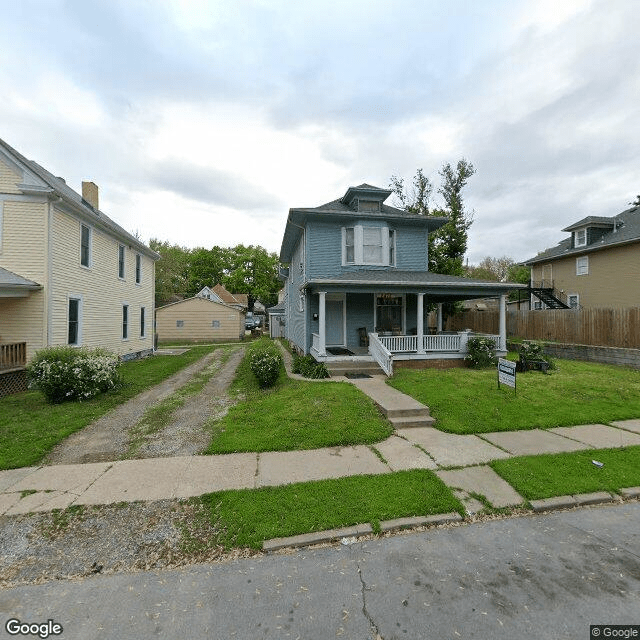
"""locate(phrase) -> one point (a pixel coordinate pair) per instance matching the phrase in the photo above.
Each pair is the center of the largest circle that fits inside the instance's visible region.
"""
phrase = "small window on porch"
(389, 313)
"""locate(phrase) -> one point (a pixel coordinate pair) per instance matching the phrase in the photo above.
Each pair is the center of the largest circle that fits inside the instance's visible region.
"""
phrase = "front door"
(334, 310)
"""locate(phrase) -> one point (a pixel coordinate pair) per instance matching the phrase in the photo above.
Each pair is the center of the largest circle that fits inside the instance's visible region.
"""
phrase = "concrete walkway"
(46, 488)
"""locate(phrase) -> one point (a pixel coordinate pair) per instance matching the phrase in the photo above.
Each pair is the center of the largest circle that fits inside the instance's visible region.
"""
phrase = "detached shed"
(199, 320)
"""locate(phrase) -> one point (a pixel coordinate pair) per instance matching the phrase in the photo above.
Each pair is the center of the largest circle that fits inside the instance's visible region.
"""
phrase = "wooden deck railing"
(13, 355)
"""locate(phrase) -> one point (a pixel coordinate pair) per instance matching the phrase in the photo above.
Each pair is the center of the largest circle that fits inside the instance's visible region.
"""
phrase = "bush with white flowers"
(68, 373)
(265, 361)
(482, 352)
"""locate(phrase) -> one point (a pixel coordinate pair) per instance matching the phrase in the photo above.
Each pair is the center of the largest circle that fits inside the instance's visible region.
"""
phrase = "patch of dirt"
(138, 536)
(107, 439)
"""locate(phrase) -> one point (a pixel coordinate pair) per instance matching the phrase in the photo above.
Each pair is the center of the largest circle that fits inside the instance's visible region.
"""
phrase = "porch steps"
(368, 367)
(400, 409)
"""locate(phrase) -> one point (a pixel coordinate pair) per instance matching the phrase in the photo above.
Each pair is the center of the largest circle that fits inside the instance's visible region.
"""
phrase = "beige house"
(597, 266)
(68, 273)
(199, 319)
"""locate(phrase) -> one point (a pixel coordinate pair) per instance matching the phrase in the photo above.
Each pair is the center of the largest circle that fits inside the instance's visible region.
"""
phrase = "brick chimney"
(90, 193)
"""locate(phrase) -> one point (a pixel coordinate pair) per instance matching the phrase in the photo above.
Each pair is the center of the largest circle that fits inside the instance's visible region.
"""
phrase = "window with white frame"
(143, 328)
(138, 268)
(573, 299)
(389, 312)
(363, 244)
(73, 321)
(580, 238)
(179, 324)
(125, 321)
(121, 261)
(582, 266)
(85, 245)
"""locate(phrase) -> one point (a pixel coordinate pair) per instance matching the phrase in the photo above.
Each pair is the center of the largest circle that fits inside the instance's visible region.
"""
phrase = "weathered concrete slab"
(485, 481)
(419, 521)
(43, 501)
(205, 474)
(449, 449)
(598, 497)
(533, 442)
(318, 537)
(74, 478)
(131, 480)
(390, 400)
(276, 468)
(630, 492)
(550, 504)
(401, 455)
(11, 477)
(599, 436)
(629, 425)
(7, 500)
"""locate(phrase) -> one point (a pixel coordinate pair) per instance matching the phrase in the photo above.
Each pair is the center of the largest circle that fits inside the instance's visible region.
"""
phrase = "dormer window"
(580, 238)
(362, 244)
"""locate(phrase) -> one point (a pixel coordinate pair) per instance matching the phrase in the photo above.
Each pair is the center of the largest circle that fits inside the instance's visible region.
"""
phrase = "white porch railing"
(381, 354)
(451, 343)
(399, 344)
(442, 342)
(315, 344)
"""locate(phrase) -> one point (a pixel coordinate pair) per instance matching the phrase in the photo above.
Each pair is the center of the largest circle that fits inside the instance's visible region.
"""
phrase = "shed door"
(334, 311)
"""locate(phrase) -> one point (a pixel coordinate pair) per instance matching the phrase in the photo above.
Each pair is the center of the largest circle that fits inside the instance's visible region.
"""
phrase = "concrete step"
(406, 412)
(411, 421)
(341, 368)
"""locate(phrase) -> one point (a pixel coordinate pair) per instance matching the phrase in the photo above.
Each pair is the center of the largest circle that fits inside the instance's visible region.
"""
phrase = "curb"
(330, 535)
(578, 500)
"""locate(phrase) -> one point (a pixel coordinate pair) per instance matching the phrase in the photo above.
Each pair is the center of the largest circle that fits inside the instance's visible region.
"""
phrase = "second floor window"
(138, 268)
(120, 261)
(581, 238)
(582, 266)
(363, 244)
(85, 245)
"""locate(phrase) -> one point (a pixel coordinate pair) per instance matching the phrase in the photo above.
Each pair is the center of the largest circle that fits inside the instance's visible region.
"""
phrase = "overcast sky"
(203, 122)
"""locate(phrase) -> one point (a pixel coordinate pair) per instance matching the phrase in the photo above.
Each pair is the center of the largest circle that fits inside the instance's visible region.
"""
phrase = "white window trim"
(584, 269)
(138, 269)
(358, 245)
(78, 297)
(90, 256)
(575, 236)
(143, 325)
(128, 307)
(576, 296)
(403, 329)
(122, 248)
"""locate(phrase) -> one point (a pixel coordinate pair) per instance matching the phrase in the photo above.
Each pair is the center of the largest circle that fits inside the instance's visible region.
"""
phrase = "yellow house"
(199, 319)
(598, 265)
(69, 275)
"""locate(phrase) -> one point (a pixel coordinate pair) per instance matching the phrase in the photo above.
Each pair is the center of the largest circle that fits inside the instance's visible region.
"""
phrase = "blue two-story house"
(358, 286)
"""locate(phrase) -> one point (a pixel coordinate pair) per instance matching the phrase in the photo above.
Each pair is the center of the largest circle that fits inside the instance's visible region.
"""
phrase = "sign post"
(507, 373)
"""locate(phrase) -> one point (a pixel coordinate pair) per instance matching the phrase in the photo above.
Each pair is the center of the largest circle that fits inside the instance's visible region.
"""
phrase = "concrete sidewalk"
(57, 487)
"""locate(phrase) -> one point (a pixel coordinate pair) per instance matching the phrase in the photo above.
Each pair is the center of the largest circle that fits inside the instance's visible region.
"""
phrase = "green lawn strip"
(562, 474)
(30, 428)
(160, 415)
(295, 414)
(469, 401)
(247, 517)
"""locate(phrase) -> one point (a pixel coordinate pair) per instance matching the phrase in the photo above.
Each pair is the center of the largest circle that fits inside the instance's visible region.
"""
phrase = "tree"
(171, 271)
(417, 200)
(207, 267)
(254, 271)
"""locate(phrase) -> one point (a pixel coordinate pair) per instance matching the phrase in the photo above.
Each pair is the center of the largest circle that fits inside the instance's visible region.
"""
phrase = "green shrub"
(532, 352)
(68, 373)
(309, 367)
(265, 361)
(482, 352)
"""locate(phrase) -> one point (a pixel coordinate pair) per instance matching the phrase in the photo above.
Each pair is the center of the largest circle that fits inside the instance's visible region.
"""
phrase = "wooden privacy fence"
(602, 327)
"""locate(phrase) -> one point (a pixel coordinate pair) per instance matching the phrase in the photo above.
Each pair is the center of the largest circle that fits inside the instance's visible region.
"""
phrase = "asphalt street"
(548, 576)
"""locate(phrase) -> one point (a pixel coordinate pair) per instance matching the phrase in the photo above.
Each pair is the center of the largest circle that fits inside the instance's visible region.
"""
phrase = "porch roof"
(432, 284)
(14, 286)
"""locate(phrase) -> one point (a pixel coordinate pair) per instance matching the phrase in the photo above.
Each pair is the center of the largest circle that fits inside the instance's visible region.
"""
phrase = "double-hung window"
(125, 321)
(138, 268)
(364, 244)
(143, 328)
(73, 322)
(121, 261)
(85, 245)
(580, 238)
(582, 266)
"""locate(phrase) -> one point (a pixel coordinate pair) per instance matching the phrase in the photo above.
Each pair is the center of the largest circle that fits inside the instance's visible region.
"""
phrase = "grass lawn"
(30, 428)
(545, 476)
(250, 516)
(295, 414)
(468, 400)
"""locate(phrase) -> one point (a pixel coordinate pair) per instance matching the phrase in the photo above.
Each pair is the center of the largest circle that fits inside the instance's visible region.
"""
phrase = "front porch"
(13, 374)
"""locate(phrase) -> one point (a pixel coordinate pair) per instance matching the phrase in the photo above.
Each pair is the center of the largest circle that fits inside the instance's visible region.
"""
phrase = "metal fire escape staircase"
(551, 297)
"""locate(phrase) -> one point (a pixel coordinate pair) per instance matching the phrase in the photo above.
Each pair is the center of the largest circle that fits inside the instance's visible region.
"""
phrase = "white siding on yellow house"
(101, 291)
(613, 278)
(199, 320)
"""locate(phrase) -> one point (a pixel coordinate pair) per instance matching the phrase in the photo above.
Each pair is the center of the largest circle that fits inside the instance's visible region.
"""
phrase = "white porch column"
(503, 323)
(420, 322)
(322, 329)
(439, 317)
